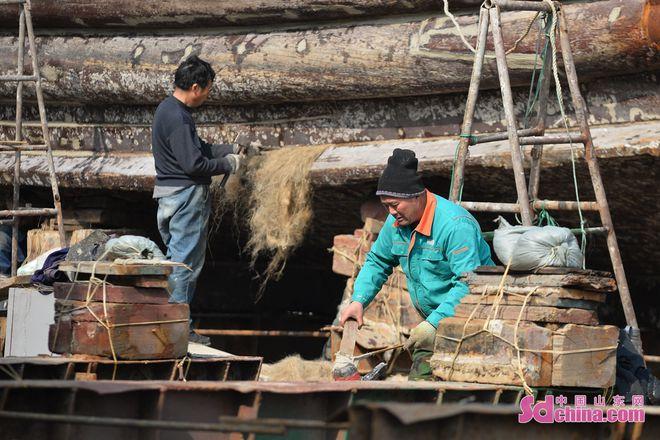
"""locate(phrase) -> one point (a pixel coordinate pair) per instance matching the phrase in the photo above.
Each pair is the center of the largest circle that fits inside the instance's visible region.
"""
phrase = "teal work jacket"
(446, 242)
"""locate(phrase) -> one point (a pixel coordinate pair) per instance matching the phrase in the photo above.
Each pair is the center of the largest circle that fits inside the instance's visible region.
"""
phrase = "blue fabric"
(432, 266)
(5, 248)
(50, 272)
(183, 220)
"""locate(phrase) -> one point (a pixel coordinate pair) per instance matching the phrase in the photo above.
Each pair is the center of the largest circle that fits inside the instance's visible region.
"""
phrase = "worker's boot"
(199, 339)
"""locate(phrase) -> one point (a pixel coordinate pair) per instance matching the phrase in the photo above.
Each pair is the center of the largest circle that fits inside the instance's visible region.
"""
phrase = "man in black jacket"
(184, 166)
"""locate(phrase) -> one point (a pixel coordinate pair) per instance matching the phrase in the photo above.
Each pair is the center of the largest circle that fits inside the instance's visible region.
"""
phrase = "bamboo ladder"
(528, 192)
(18, 145)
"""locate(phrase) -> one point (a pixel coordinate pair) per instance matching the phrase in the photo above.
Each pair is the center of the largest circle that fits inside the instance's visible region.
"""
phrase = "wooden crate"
(143, 331)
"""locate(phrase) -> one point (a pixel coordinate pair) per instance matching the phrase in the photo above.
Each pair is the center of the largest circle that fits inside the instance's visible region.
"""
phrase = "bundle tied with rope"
(492, 327)
(66, 310)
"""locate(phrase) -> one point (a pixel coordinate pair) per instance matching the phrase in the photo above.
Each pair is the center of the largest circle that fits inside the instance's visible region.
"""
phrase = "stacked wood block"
(128, 318)
(391, 316)
(557, 331)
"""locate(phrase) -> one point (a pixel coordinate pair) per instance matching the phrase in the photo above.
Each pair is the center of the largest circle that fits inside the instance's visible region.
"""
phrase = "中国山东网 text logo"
(555, 409)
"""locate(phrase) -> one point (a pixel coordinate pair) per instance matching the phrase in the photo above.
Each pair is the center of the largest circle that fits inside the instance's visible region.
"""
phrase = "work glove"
(218, 151)
(234, 162)
(421, 337)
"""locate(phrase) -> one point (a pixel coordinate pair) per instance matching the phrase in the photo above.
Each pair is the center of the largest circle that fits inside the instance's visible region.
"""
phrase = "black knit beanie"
(400, 178)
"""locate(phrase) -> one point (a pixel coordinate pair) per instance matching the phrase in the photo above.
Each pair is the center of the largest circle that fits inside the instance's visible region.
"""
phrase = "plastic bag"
(547, 246)
(132, 247)
(532, 247)
(31, 267)
(506, 237)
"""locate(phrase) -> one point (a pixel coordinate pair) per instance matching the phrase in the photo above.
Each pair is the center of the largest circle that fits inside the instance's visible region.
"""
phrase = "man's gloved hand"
(218, 151)
(234, 162)
(421, 337)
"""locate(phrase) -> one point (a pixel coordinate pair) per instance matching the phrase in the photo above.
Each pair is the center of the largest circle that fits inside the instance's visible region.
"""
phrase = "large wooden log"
(123, 128)
(397, 57)
(338, 165)
(346, 164)
(141, 14)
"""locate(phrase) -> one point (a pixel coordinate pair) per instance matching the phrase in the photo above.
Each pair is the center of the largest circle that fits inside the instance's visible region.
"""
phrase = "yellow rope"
(458, 27)
(522, 37)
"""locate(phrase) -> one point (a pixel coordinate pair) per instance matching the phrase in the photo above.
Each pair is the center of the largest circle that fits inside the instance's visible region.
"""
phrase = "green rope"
(470, 137)
(532, 100)
(534, 90)
(560, 101)
(545, 217)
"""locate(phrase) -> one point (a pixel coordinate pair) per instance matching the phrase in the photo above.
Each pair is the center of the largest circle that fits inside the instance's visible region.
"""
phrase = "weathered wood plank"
(546, 271)
(345, 266)
(519, 292)
(485, 358)
(117, 313)
(110, 268)
(592, 283)
(534, 300)
(113, 294)
(147, 282)
(596, 369)
(160, 341)
(18, 281)
(349, 254)
(394, 306)
(413, 56)
(531, 313)
(3, 333)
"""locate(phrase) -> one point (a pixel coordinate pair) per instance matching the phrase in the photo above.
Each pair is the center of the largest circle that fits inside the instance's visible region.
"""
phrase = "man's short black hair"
(193, 70)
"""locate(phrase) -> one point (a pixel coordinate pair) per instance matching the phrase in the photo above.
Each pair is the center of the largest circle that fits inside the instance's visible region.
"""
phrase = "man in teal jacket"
(433, 240)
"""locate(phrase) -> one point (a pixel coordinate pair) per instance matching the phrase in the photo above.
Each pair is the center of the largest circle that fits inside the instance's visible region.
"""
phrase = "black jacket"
(181, 157)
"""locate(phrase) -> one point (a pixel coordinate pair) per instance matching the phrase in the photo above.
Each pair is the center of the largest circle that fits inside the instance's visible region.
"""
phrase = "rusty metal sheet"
(218, 368)
(255, 386)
